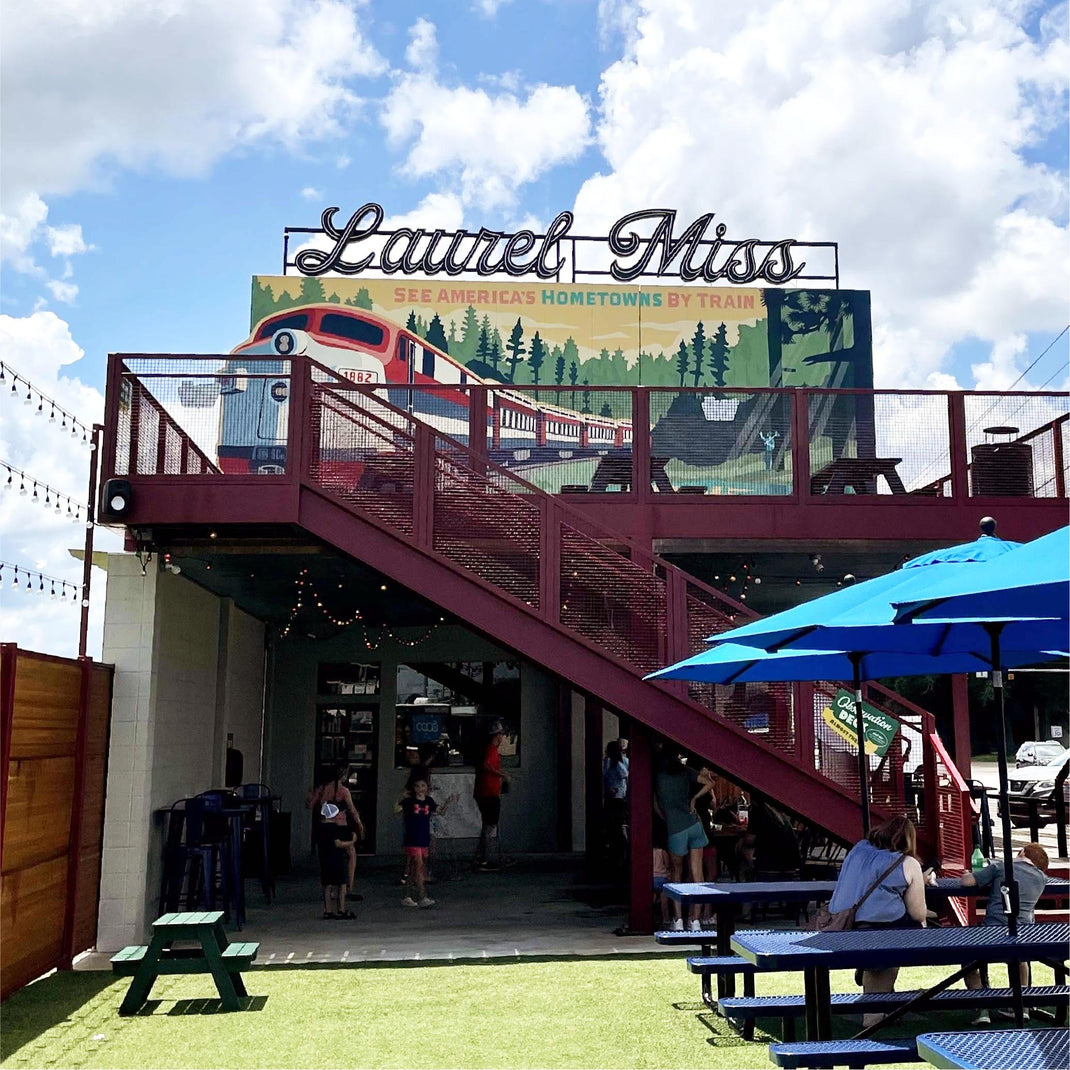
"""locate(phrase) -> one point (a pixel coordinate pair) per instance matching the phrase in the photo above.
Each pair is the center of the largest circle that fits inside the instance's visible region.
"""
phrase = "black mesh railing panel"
(732, 442)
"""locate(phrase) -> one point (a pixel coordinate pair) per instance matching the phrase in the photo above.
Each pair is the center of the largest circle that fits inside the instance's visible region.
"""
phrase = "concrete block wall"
(172, 644)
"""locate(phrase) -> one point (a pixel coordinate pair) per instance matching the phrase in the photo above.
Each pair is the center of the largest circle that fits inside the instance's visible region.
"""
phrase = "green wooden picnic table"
(215, 955)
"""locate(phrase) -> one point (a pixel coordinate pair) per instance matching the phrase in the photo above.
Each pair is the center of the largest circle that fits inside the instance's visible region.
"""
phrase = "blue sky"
(153, 153)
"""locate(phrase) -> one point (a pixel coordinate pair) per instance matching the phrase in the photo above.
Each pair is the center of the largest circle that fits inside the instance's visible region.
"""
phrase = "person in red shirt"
(488, 795)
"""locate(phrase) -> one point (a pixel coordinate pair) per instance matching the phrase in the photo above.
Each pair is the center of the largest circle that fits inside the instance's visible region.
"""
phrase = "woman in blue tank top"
(886, 861)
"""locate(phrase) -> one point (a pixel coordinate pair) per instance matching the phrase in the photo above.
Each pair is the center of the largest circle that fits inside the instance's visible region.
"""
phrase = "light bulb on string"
(29, 396)
(53, 592)
(34, 500)
(3, 378)
(16, 583)
(9, 483)
(41, 407)
(52, 415)
(41, 585)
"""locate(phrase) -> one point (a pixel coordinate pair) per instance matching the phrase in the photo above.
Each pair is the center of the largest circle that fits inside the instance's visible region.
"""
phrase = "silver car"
(1036, 782)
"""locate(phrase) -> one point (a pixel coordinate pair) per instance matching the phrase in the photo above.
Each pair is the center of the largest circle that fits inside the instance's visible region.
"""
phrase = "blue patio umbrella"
(860, 620)
(1022, 592)
(1030, 581)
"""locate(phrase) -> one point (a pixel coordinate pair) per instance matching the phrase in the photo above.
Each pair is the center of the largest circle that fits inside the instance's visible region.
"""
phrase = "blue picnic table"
(998, 1049)
(816, 954)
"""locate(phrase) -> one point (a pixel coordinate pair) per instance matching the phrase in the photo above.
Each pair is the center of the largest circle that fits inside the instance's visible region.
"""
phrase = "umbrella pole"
(1011, 885)
(860, 731)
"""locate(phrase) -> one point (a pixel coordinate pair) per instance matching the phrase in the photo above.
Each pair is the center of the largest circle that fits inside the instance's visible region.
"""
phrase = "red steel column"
(800, 442)
(641, 445)
(960, 712)
(641, 822)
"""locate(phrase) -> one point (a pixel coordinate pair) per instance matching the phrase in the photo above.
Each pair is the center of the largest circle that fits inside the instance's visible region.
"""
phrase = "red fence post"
(800, 441)
(930, 785)
(111, 414)
(299, 419)
(9, 658)
(960, 713)
(1057, 458)
(641, 444)
(960, 468)
(74, 835)
(477, 420)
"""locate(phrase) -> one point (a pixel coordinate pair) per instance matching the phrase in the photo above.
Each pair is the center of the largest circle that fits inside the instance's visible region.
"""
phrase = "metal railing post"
(960, 466)
(800, 441)
(641, 444)
(550, 561)
(423, 486)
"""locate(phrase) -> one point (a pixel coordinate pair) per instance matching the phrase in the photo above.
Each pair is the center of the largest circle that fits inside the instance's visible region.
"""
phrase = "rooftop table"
(998, 1049)
(815, 954)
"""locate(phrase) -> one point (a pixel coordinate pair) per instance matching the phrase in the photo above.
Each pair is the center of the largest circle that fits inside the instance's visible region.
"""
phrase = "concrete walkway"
(538, 907)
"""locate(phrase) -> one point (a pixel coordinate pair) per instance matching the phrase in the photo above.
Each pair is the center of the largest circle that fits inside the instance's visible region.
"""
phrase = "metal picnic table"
(998, 1049)
(816, 954)
(725, 897)
(216, 955)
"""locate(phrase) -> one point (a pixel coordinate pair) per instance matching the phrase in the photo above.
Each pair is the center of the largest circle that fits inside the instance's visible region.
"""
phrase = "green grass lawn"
(641, 1012)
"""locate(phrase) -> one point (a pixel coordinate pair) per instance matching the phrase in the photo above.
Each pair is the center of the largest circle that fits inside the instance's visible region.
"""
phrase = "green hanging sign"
(879, 728)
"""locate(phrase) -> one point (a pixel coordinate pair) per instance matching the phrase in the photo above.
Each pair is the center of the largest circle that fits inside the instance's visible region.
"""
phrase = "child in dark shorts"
(417, 809)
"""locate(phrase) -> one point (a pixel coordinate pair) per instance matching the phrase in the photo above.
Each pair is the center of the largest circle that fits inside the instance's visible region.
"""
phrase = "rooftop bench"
(788, 1008)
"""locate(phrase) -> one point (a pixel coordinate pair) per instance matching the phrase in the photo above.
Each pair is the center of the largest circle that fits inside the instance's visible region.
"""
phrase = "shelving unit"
(347, 730)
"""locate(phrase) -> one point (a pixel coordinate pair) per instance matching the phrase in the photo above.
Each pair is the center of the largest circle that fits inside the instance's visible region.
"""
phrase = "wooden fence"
(56, 714)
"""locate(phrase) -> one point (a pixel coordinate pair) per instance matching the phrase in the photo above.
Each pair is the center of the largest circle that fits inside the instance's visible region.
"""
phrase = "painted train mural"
(572, 341)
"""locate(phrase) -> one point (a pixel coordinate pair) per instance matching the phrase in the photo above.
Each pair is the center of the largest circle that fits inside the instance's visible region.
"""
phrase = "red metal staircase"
(527, 569)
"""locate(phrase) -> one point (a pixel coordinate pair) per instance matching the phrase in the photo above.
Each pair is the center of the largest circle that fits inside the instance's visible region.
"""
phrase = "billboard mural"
(619, 335)
(552, 355)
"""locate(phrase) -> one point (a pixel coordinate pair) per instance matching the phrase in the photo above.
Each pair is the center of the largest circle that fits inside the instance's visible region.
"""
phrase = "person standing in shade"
(674, 788)
(337, 825)
(489, 784)
(1030, 871)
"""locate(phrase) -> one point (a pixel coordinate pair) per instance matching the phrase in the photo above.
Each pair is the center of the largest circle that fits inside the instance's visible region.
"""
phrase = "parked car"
(1037, 782)
(1038, 752)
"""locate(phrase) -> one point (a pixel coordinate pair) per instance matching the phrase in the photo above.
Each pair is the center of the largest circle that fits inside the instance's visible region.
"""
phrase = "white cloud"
(489, 8)
(40, 348)
(19, 229)
(62, 291)
(173, 85)
(897, 129)
(422, 52)
(66, 240)
(310, 193)
(485, 145)
(343, 162)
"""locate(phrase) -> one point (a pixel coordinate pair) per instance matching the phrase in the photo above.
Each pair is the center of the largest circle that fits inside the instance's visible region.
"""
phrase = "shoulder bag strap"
(873, 887)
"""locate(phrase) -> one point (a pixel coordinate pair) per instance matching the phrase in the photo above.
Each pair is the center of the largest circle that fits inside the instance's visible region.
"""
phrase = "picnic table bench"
(789, 1008)
(1000, 1049)
(816, 954)
(215, 955)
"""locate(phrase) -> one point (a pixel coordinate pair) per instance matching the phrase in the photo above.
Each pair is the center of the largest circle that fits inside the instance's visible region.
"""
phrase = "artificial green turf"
(619, 1012)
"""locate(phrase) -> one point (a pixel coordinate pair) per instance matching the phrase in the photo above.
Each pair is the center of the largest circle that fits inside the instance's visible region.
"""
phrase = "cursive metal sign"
(700, 252)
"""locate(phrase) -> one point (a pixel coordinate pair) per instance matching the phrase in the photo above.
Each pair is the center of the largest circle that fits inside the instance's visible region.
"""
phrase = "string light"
(23, 578)
(67, 419)
(53, 498)
(306, 596)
